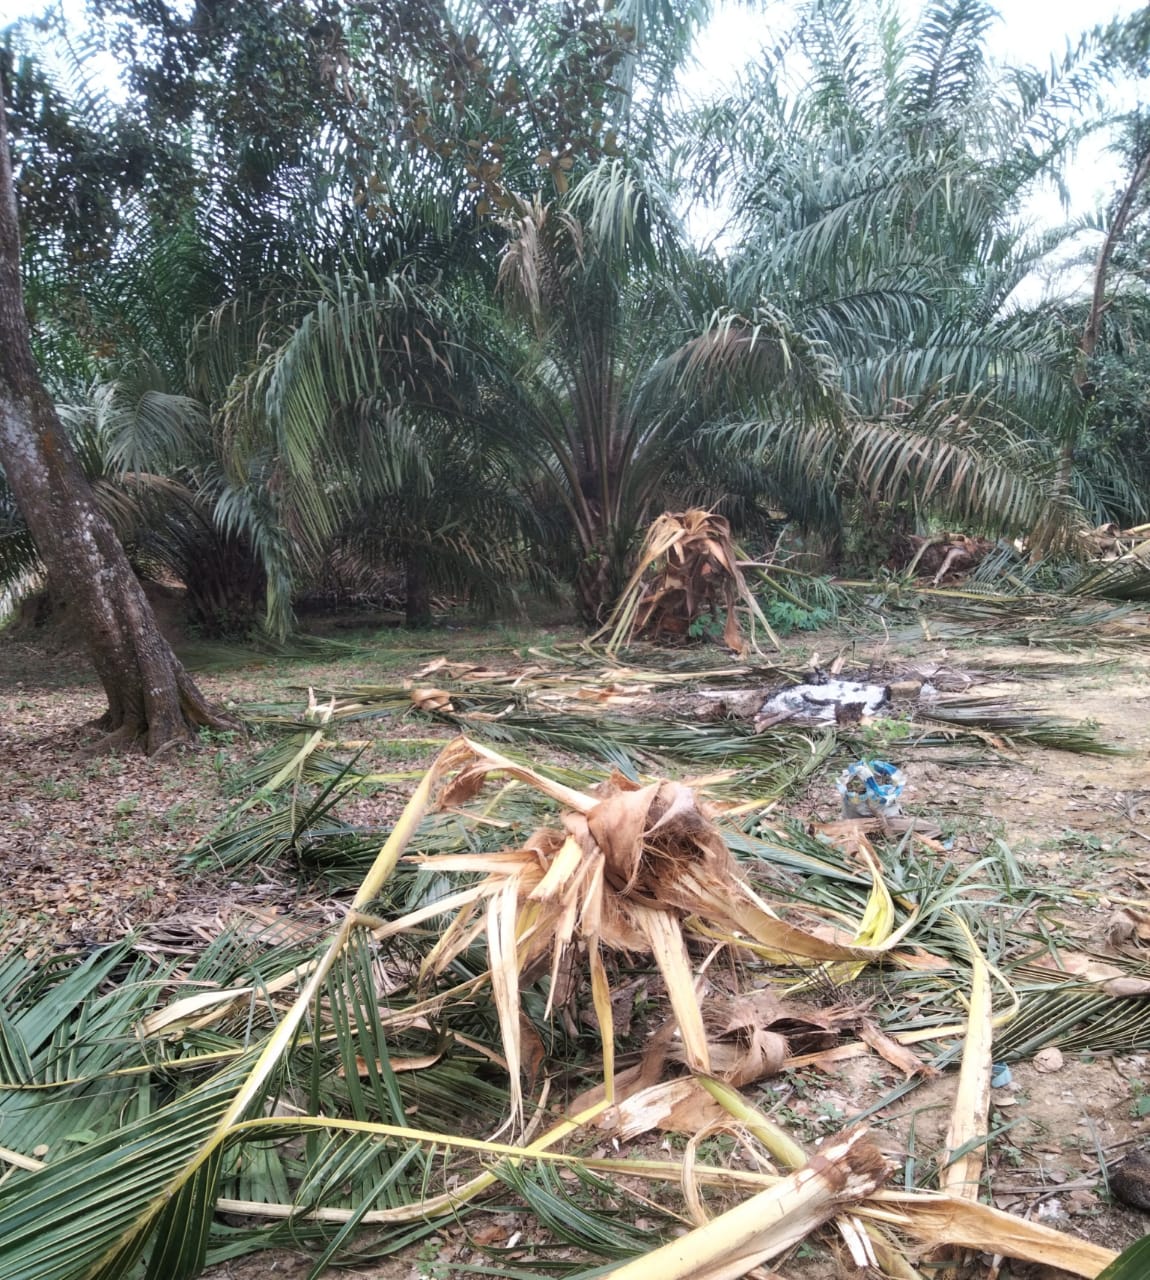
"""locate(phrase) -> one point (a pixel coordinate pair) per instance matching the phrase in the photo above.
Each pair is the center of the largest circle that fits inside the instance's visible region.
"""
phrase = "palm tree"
(624, 365)
(576, 386)
(881, 210)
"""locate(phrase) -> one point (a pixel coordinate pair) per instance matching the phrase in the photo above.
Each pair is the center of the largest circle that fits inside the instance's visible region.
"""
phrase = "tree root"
(127, 738)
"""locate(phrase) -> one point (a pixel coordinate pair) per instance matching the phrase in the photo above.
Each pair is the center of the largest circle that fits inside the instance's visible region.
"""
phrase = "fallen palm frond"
(1078, 1002)
(279, 1082)
(273, 1124)
(765, 766)
(934, 1220)
(1126, 578)
(728, 762)
(1023, 616)
(687, 570)
(1006, 720)
(1053, 621)
(579, 686)
(842, 1173)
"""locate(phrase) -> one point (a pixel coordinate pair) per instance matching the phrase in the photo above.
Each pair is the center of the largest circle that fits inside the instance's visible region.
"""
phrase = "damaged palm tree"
(634, 870)
(687, 573)
(275, 1080)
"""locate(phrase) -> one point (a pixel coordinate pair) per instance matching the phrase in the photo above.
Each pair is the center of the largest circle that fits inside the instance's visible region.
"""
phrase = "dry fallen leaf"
(898, 1055)
(1128, 928)
(1114, 980)
(431, 700)
(488, 1235)
(1049, 1059)
(675, 1106)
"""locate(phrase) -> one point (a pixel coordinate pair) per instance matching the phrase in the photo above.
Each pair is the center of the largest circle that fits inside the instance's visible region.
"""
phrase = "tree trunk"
(151, 698)
(595, 588)
(1044, 537)
(418, 592)
(1092, 330)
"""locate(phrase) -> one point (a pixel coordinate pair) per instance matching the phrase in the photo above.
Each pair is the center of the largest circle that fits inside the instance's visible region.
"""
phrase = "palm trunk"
(417, 609)
(593, 593)
(150, 696)
(1092, 330)
(602, 568)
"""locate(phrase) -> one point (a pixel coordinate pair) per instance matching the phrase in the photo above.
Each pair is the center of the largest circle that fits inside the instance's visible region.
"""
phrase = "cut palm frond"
(1002, 719)
(145, 1178)
(1078, 1002)
(274, 1076)
(845, 1171)
(934, 1220)
(1029, 619)
(634, 869)
(1124, 579)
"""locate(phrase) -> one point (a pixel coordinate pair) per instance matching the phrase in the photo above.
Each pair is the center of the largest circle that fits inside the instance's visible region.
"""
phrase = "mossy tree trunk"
(151, 698)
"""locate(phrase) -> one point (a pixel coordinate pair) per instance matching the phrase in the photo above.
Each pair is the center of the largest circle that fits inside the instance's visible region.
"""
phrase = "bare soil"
(94, 846)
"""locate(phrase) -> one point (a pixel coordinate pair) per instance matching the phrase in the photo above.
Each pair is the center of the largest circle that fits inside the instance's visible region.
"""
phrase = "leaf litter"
(537, 887)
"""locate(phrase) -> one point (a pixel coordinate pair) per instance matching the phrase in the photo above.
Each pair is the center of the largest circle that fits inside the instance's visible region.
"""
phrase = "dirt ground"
(93, 847)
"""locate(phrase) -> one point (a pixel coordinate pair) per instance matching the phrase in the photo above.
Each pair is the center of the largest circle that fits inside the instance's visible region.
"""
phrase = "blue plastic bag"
(871, 789)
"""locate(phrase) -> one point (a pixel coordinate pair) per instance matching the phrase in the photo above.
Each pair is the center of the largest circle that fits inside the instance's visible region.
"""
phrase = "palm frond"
(1015, 723)
(1124, 579)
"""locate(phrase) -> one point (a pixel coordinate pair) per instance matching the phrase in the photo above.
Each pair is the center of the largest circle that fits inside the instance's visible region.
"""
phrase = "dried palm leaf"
(936, 1221)
(843, 1172)
(687, 568)
(633, 870)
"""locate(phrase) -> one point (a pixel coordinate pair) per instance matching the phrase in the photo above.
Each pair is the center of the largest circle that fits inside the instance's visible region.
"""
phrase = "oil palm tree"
(577, 380)
(880, 207)
(626, 367)
(598, 370)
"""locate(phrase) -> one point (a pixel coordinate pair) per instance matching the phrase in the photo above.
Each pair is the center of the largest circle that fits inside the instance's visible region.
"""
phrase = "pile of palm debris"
(688, 575)
(942, 557)
(1111, 542)
(461, 1027)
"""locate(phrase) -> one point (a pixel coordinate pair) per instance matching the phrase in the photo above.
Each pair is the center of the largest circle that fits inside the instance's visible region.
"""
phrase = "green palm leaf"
(1131, 1264)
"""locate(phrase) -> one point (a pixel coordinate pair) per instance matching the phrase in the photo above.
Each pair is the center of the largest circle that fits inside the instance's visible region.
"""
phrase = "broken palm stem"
(970, 1120)
(767, 1224)
(790, 1155)
(969, 1123)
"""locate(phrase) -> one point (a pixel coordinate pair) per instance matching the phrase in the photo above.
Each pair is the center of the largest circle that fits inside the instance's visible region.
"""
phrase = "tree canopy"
(415, 286)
